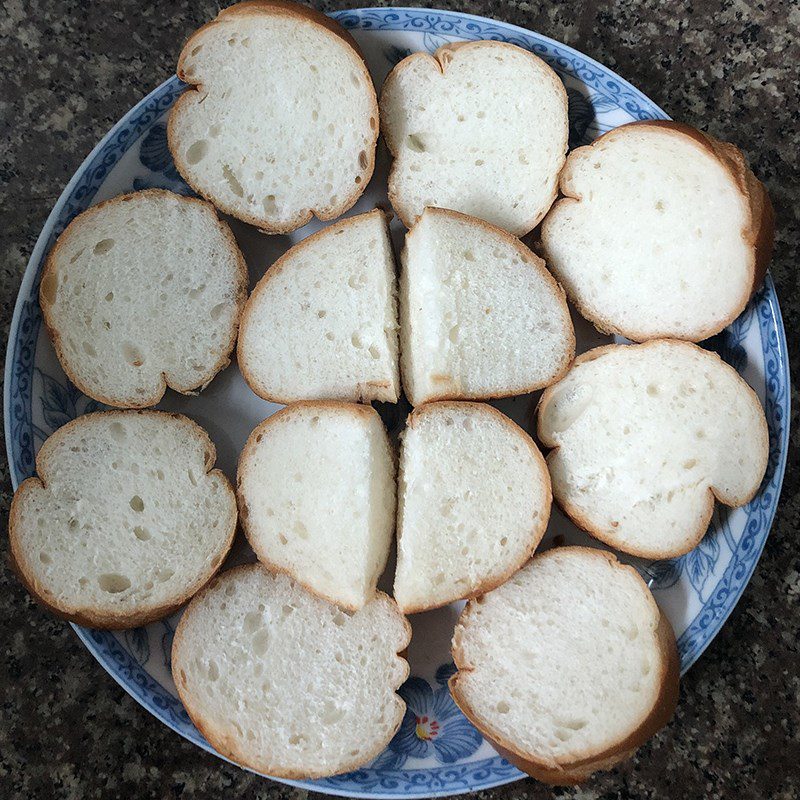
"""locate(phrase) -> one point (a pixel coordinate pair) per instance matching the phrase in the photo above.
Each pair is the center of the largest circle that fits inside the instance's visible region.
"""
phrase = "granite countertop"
(71, 68)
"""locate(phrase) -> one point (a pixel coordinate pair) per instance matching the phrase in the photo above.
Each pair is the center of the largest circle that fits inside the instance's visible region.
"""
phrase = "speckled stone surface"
(70, 69)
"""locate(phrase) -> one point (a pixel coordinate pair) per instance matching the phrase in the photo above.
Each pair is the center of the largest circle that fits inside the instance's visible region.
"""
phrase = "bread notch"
(281, 120)
(663, 232)
(316, 491)
(125, 521)
(322, 322)
(286, 684)
(568, 667)
(143, 292)
(480, 315)
(474, 501)
(645, 437)
(479, 127)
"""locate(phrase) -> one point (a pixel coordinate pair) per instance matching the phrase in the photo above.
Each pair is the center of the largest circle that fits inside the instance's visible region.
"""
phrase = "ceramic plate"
(436, 751)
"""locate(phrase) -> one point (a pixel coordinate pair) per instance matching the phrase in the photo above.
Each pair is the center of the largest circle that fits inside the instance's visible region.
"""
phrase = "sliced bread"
(568, 667)
(663, 232)
(480, 314)
(286, 684)
(645, 437)
(281, 121)
(322, 322)
(473, 503)
(143, 292)
(479, 127)
(316, 489)
(125, 521)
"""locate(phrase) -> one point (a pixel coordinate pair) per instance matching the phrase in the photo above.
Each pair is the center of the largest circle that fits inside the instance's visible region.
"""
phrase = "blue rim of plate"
(26, 321)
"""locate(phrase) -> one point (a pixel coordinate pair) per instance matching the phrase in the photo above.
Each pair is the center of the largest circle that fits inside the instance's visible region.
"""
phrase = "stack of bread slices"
(656, 232)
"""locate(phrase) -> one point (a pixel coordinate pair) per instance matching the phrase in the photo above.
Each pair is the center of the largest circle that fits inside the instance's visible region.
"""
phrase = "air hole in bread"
(374, 352)
(141, 533)
(197, 151)
(415, 143)
(232, 181)
(49, 288)
(89, 350)
(197, 291)
(136, 503)
(652, 390)
(301, 530)
(103, 246)
(163, 575)
(503, 707)
(356, 341)
(269, 204)
(282, 538)
(45, 558)
(690, 464)
(113, 583)
(329, 336)
(252, 622)
(132, 355)
(479, 162)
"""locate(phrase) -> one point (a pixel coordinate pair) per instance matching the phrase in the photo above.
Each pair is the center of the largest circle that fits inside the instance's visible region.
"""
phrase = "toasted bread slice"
(284, 683)
(645, 437)
(322, 323)
(316, 491)
(125, 521)
(663, 232)
(568, 667)
(480, 315)
(143, 292)
(473, 503)
(282, 120)
(479, 127)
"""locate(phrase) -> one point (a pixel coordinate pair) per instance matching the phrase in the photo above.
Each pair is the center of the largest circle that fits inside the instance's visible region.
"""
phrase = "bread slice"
(143, 292)
(125, 521)
(474, 501)
(568, 667)
(286, 684)
(480, 316)
(322, 323)
(479, 127)
(664, 232)
(645, 437)
(316, 491)
(281, 121)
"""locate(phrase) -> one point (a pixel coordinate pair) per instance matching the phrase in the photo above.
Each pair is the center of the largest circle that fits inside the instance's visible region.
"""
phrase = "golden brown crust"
(253, 440)
(759, 233)
(361, 393)
(49, 280)
(303, 14)
(227, 747)
(441, 58)
(693, 537)
(530, 258)
(95, 618)
(569, 773)
(539, 524)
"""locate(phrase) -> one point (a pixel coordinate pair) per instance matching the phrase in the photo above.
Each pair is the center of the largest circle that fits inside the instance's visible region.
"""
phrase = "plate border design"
(26, 321)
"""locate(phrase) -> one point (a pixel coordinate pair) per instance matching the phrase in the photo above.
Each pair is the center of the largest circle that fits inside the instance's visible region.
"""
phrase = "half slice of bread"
(322, 323)
(480, 316)
(286, 684)
(645, 437)
(474, 501)
(316, 491)
(479, 127)
(143, 292)
(568, 667)
(282, 120)
(125, 521)
(664, 232)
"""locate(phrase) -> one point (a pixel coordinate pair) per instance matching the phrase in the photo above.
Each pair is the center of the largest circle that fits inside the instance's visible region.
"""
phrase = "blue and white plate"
(436, 751)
